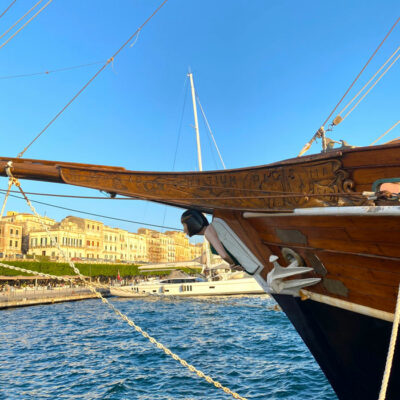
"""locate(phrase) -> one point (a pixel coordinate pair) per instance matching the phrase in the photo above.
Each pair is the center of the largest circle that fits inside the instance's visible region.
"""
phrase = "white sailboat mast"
(196, 123)
(196, 126)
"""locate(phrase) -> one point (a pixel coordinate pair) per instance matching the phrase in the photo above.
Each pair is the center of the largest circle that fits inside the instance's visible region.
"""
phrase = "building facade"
(82, 239)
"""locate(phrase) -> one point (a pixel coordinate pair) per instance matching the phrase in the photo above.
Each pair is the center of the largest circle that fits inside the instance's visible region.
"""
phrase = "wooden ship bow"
(320, 233)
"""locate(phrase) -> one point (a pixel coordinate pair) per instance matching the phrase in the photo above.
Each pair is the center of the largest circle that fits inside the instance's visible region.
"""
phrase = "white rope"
(10, 183)
(130, 322)
(376, 73)
(26, 23)
(392, 345)
(11, 180)
(372, 86)
(384, 134)
(9, 29)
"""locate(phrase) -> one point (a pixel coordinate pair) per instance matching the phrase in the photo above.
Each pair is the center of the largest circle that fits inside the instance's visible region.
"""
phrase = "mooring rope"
(124, 317)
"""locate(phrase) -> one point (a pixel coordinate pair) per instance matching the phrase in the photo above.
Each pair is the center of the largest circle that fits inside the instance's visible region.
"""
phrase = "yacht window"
(212, 287)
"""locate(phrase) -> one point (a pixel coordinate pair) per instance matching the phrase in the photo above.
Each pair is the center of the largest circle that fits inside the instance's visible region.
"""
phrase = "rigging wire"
(185, 86)
(210, 145)
(16, 23)
(362, 89)
(98, 215)
(319, 132)
(9, 6)
(48, 72)
(267, 195)
(180, 122)
(384, 134)
(26, 23)
(111, 59)
(372, 86)
(72, 196)
(224, 188)
(209, 130)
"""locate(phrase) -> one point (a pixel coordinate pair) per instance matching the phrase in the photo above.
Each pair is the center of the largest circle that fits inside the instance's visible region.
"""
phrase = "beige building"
(137, 248)
(110, 252)
(182, 245)
(10, 240)
(90, 240)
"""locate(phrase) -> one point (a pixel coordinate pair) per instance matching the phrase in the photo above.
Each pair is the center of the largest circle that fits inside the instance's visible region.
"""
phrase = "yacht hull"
(244, 286)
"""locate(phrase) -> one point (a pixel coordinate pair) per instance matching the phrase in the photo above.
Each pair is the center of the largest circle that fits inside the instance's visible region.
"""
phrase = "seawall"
(30, 297)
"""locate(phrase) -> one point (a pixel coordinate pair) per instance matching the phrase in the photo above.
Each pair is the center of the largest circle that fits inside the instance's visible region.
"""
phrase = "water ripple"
(81, 350)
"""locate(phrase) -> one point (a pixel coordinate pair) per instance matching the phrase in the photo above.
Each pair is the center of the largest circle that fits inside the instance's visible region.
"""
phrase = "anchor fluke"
(275, 281)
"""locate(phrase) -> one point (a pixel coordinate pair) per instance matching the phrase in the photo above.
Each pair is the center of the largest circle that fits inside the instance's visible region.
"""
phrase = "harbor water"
(82, 350)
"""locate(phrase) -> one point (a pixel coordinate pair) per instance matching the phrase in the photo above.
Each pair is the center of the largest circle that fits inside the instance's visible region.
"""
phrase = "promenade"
(44, 295)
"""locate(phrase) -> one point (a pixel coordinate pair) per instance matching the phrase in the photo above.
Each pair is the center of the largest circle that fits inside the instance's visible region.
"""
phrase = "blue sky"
(267, 72)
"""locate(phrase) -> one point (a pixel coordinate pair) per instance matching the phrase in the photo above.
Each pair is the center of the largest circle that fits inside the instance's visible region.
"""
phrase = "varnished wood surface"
(362, 253)
(321, 180)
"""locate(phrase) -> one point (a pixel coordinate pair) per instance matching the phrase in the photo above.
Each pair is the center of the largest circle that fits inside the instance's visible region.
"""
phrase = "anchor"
(275, 281)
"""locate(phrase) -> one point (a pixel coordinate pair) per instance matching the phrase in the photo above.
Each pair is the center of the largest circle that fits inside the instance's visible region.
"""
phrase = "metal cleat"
(275, 281)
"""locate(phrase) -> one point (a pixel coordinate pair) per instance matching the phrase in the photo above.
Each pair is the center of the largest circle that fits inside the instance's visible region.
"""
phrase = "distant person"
(195, 223)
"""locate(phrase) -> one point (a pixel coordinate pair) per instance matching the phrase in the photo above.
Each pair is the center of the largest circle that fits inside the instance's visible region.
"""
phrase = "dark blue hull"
(350, 348)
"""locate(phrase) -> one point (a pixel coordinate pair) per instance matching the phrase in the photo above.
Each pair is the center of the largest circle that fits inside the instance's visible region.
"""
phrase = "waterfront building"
(89, 240)
(10, 240)
(110, 252)
(182, 245)
(137, 248)
(66, 235)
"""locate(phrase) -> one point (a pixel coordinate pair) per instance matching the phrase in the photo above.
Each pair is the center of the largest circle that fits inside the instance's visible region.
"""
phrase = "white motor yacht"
(215, 281)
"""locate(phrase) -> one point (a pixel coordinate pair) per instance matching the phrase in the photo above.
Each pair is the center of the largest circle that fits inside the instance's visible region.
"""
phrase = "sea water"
(82, 350)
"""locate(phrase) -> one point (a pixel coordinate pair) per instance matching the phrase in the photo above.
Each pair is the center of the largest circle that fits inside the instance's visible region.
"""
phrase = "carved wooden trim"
(268, 188)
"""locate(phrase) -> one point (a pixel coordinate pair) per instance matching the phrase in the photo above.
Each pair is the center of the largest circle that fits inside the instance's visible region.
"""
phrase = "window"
(10, 243)
(98, 228)
(16, 231)
(16, 243)
(92, 243)
(11, 231)
(98, 244)
(88, 243)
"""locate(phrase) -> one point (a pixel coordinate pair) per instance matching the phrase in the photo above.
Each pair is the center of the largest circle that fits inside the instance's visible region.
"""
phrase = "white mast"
(196, 127)
(196, 124)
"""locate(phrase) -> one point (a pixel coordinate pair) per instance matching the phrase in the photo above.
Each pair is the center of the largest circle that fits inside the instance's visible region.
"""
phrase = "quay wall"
(30, 297)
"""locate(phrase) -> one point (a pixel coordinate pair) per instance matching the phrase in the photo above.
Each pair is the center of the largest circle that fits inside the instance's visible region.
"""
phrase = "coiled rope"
(125, 318)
